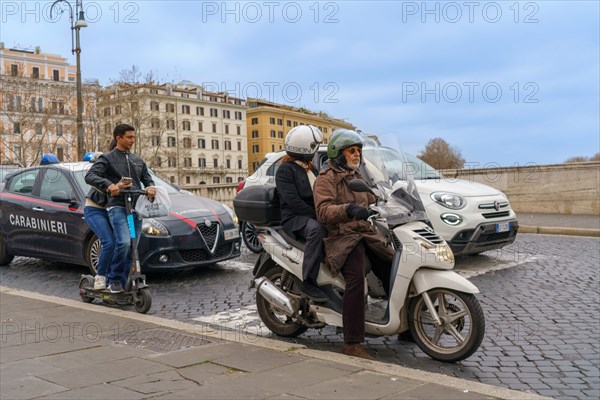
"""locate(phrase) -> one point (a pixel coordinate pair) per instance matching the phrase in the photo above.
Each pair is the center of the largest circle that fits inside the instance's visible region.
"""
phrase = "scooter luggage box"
(258, 205)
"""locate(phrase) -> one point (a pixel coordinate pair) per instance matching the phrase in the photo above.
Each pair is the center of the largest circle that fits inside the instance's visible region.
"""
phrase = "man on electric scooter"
(295, 179)
(105, 174)
(350, 236)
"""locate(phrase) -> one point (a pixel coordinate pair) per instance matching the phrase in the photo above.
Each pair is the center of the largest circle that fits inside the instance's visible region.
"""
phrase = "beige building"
(188, 136)
(39, 106)
(269, 123)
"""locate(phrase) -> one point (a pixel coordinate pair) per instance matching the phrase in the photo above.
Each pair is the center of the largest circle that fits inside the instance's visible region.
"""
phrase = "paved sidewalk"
(559, 224)
(54, 348)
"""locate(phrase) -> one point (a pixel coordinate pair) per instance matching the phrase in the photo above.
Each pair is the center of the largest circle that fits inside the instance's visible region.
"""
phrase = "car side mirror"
(62, 197)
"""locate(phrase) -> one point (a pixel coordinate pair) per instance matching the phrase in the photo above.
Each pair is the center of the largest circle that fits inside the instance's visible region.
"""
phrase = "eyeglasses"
(353, 150)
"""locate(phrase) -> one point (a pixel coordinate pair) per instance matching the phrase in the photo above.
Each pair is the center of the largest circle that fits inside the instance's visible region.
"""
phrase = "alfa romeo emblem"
(207, 223)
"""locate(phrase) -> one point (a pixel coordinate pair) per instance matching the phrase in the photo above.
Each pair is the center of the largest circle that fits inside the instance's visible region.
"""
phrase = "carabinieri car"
(41, 216)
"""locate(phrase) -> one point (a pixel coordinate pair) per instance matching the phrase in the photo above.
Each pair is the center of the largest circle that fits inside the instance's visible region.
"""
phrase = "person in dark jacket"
(105, 174)
(350, 237)
(295, 179)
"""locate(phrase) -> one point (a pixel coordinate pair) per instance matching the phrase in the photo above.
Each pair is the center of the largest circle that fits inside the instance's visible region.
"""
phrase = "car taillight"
(240, 186)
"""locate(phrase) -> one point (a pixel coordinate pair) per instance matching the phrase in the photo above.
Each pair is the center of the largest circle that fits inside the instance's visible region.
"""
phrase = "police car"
(41, 216)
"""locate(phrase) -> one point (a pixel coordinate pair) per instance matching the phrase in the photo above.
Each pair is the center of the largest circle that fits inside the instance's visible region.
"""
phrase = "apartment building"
(187, 135)
(38, 100)
(268, 123)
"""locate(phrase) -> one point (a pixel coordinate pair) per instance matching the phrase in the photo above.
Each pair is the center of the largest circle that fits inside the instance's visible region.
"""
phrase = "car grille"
(496, 214)
(209, 233)
(429, 235)
(491, 206)
(492, 237)
(196, 255)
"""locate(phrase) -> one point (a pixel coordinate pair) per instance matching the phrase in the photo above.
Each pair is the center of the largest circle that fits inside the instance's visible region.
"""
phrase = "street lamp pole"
(76, 49)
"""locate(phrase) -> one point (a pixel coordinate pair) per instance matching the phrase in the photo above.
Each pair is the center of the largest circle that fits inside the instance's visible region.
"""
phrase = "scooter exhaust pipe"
(276, 296)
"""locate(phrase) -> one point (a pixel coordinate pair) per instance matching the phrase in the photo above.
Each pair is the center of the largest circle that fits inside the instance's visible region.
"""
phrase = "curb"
(466, 386)
(550, 230)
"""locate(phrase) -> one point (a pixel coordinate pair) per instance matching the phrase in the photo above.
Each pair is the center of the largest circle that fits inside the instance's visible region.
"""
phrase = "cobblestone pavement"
(540, 296)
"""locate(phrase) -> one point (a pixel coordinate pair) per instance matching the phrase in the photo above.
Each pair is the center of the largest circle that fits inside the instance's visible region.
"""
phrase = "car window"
(23, 182)
(161, 183)
(272, 170)
(55, 181)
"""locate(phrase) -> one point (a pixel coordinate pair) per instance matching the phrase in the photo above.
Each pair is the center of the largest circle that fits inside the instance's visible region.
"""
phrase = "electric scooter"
(136, 290)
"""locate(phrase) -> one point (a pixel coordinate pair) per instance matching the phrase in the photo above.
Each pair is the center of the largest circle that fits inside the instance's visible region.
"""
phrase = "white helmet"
(303, 141)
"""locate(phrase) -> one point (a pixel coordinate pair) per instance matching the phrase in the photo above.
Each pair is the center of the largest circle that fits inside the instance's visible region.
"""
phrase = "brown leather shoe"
(356, 350)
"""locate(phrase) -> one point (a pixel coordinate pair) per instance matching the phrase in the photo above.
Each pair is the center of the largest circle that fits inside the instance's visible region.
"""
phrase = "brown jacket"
(332, 195)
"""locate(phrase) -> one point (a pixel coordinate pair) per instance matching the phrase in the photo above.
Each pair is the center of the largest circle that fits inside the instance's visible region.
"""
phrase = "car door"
(16, 203)
(63, 236)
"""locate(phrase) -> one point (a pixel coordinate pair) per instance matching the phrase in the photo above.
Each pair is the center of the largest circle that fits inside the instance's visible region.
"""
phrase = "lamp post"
(76, 49)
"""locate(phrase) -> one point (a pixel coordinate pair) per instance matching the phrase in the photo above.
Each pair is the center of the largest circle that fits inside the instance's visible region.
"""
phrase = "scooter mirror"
(358, 185)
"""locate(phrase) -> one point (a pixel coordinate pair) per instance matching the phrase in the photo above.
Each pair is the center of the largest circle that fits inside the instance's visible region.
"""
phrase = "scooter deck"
(121, 298)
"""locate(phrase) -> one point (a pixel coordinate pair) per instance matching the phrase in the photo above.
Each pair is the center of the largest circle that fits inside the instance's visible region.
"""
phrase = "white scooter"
(426, 297)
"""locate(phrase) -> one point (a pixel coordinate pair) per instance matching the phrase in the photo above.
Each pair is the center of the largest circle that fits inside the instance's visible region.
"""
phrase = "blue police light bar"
(88, 156)
(49, 158)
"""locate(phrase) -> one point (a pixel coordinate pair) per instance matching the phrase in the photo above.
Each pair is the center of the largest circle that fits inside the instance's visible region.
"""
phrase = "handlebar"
(132, 191)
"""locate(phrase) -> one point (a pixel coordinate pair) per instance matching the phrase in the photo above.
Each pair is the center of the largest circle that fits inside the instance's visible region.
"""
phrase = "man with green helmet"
(350, 236)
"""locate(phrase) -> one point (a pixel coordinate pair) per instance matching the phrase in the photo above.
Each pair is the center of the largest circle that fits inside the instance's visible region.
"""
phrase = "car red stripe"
(36, 201)
(184, 219)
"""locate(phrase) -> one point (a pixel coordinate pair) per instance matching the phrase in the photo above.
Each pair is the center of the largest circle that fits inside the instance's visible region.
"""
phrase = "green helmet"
(340, 139)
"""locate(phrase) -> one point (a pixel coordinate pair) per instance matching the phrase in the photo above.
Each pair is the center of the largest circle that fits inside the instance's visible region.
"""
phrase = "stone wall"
(223, 193)
(556, 188)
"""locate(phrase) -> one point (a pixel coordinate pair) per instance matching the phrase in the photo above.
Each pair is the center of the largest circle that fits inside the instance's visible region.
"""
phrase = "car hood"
(458, 186)
(194, 208)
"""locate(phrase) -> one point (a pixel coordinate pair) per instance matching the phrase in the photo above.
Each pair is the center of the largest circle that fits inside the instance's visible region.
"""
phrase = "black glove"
(357, 212)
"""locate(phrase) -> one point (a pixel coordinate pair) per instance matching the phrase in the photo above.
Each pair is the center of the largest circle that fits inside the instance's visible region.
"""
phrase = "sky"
(505, 82)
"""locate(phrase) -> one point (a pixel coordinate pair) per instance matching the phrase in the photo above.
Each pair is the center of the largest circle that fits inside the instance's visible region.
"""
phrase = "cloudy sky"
(505, 82)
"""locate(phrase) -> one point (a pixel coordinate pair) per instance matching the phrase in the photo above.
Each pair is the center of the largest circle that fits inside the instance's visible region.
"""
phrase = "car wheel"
(92, 253)
(250, 237)
(5, 259)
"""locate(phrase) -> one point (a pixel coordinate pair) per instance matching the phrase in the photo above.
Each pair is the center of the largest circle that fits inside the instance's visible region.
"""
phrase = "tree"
(595, 157)
(439, 154)
(576, 159)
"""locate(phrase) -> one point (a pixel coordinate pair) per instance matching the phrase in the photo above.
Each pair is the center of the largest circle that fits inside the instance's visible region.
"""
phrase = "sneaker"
(115, 287)
(99, 282)
(356, 350)
(313, 292)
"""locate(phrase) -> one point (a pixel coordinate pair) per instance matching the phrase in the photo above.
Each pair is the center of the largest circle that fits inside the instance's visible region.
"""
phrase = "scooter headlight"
(152, 227)
(444, 254)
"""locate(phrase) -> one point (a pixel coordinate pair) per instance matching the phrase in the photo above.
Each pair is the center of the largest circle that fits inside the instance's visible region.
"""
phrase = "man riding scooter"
(350, 237)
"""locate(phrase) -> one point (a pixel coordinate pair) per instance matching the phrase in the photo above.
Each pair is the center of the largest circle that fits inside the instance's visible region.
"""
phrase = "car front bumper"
(483, 238)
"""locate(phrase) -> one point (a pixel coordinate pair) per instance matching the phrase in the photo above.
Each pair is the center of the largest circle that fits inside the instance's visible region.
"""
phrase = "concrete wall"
(223, 193)
(556, 188)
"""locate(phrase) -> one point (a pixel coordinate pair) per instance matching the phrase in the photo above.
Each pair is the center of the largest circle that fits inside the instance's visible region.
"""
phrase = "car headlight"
(232, 214)
(449, 200)
(152, 227)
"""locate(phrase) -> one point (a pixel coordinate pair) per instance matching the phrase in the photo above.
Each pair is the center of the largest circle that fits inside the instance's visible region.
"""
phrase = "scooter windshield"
(399, 200)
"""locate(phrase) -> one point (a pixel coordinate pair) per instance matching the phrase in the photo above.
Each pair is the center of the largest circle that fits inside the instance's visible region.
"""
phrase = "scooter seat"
(299, 244)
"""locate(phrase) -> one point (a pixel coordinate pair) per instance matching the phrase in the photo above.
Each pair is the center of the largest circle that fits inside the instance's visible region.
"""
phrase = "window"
(35, 72)
(186, 125)
(154, 106)
(255, 148)
(170, 124)
(273, 134)
(118, 110)
(215, 144)
(280, 134)
(214, 112)
(272, 121)
(170, 107)
(135, 106)
(185, 109)
(273, 148)
(295, 123)
(187, 144)
(216, 179)
(227, 114)
(255, 134)
(239, 146)
(227, 145)
(238, 129)
(229, 179)
(172, 161)
(187, 162)
(157, 161)
(171, 141)
(200, 111)
(238, 115)
(55, 181)
(106, 110)
(201, 143)
(40, 104)
(154, 123)
(60, 153)
(23, 182)
(55, 75)
(32, 104)
(202, 162)
(254, 121)
(59, 129)
(200, 127)
(38, 129)
(187, 179)
(228, 164)
(324, 130)
(280, 122)
(214, 128)
(155, 140)
(239, 164)
(226, 129)
(289, 123)
(16, 127)
(216, 162)
(107, 128)
(14, 70)
(186, 95)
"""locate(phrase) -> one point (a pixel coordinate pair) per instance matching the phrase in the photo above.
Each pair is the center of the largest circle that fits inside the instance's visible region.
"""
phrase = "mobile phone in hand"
(126, 180)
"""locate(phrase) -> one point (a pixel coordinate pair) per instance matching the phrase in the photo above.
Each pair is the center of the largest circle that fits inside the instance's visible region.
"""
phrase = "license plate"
(231, 234)
(503, 227)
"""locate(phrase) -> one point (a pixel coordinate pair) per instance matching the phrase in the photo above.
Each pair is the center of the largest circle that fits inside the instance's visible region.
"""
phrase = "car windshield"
(397, 168)
(80, 178)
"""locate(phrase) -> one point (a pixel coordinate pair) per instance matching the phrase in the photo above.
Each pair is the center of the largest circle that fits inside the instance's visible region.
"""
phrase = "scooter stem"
(436, 319)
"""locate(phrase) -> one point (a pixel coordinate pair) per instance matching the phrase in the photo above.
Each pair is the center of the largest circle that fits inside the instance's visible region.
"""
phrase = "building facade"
(268, 123)
(188, 136)
(38, 101)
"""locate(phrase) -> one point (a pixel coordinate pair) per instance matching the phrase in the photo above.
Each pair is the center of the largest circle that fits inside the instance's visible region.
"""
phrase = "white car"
(470, 216)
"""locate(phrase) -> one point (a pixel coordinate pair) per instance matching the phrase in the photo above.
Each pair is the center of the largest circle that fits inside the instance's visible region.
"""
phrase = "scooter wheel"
(85, 283)
(144, 301)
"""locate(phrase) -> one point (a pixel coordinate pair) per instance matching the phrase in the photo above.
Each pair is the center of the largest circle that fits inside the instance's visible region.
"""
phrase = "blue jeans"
(97, 220)
(121, 265)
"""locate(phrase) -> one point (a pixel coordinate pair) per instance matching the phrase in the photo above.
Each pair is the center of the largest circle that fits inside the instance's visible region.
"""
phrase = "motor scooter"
(136, 291)
(426, 298)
